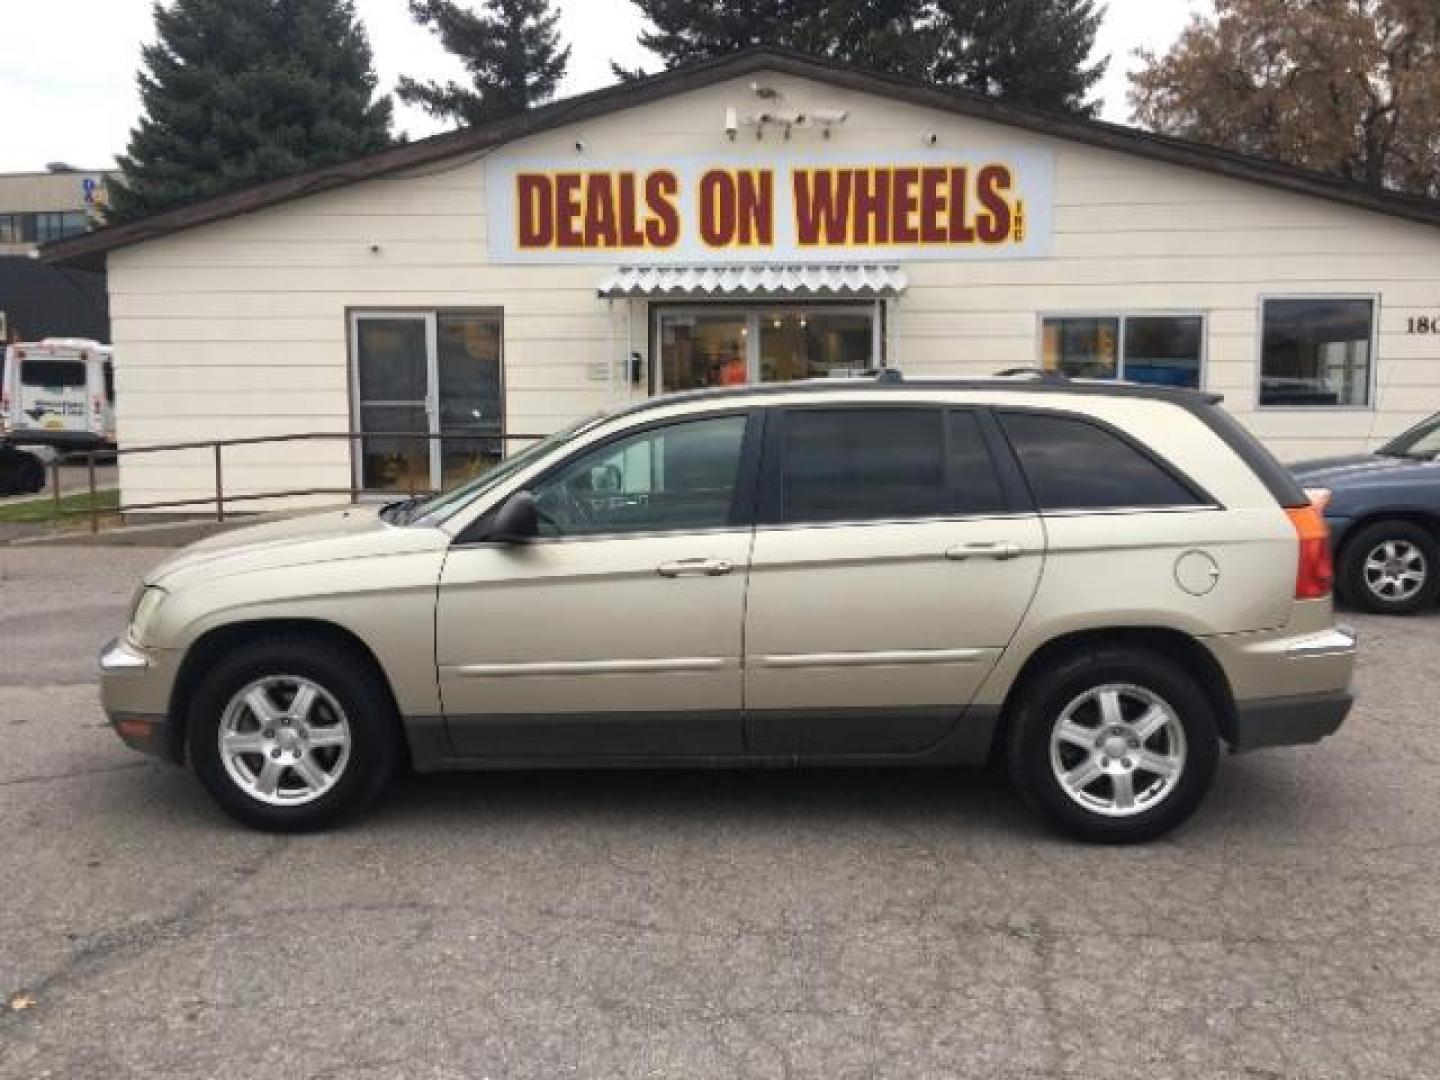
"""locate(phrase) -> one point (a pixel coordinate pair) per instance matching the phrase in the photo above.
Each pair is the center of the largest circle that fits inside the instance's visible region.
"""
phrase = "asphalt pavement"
(832, 925)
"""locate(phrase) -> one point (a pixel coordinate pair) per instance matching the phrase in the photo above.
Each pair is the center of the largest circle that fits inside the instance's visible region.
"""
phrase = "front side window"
(681, 477)
(1161, 349)
(1073, 464)
(1315, 353)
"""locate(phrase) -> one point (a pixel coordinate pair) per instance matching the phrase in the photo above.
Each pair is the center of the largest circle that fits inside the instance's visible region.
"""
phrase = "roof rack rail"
(1037, 373)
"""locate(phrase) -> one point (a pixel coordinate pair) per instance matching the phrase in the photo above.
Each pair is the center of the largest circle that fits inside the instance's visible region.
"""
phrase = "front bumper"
(134, 689)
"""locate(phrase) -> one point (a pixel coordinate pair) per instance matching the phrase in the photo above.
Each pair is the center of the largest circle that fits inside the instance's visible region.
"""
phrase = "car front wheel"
(1115, 745)
(1391, 568)
(292, 734)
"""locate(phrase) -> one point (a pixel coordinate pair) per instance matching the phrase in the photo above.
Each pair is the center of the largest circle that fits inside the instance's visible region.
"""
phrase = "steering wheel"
(570, 511)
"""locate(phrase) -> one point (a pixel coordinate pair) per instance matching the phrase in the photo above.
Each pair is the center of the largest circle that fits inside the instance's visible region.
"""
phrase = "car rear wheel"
(1391, 568)
(292, 734)
(1116, 745)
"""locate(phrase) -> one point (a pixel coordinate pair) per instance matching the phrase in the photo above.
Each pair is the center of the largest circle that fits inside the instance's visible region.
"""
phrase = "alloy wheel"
(1395, 571)
(284, 740)
(1118, 749)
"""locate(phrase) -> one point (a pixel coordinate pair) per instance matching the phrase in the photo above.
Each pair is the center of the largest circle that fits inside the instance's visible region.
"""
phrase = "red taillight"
(1316, 572)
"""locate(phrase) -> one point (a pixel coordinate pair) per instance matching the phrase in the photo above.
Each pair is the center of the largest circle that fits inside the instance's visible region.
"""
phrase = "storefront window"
(733, 346)
(1160, 349)
(813, 344)
(1315, 352)
(703, 350)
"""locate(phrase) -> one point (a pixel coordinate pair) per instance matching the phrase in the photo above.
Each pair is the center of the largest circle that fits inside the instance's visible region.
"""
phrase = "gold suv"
(1099, 582)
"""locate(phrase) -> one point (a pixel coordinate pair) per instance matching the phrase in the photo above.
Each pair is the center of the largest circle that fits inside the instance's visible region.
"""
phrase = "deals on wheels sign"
(993, 205)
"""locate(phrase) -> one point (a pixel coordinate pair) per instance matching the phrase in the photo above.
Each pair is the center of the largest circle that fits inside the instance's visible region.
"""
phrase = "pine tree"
(1028, 52)
(511, 49)
(236, 92)
(887, 34)
(1033, 52)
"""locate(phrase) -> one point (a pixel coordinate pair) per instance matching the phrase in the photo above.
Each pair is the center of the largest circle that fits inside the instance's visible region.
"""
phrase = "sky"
(67, 72)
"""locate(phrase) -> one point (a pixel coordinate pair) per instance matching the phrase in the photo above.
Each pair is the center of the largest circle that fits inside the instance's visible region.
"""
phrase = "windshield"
(437, 508)
(1421, 441)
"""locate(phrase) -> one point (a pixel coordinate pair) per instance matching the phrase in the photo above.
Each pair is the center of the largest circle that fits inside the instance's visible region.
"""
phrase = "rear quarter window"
(1075, 464)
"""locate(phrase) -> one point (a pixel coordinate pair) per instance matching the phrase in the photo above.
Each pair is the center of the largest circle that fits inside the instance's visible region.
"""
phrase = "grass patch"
(74, 509)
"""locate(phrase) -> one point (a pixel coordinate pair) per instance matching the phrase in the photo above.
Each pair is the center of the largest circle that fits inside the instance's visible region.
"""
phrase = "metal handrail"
(415, 441)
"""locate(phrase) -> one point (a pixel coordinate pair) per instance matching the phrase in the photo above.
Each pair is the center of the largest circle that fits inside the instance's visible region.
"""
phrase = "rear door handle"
(988, 549)
(695, 568)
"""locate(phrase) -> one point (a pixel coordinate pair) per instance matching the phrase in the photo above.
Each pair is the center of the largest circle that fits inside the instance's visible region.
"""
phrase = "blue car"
(1384, 516)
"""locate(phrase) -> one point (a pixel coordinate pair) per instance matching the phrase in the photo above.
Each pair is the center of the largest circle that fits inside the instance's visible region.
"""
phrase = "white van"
(59, 392)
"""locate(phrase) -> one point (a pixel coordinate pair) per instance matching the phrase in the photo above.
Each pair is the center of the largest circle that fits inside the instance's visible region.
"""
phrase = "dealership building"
(763, 217)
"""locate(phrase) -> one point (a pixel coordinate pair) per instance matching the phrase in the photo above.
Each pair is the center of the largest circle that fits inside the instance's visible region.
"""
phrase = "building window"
(58, 224)
(1316, 352)
(1161, 349)
(429, 396)
(12, 229)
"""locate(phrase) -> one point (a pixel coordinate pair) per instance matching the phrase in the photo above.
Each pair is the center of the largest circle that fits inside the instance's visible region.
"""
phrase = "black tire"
(1040, 706)
(374, 747)
(30, 476)
(1358, 587)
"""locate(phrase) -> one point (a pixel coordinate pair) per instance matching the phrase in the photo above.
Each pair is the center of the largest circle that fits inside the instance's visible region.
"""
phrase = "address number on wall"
(1424, 324)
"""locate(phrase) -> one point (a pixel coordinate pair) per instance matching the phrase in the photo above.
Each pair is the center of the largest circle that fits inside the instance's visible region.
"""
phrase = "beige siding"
(240, 328)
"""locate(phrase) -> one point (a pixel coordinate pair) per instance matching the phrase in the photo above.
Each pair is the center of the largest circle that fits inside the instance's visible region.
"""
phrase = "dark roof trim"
(88, 249)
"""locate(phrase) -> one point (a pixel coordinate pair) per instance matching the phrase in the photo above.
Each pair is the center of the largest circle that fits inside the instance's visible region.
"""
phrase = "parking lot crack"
(138, 938)
(48, 778)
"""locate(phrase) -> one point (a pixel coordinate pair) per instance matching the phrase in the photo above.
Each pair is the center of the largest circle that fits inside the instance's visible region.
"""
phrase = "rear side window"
(885, 464)
(50, 373)
(1072, 464)
(863, 465)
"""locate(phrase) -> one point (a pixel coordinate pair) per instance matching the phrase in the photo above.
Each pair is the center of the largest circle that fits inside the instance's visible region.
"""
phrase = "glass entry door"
(419, 374)
(729, 346)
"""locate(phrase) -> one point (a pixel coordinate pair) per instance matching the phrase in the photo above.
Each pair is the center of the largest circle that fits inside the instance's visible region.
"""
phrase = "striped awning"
(826, 280)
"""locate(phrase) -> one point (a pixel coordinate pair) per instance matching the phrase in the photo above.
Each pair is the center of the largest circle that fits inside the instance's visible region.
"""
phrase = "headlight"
(142, 618)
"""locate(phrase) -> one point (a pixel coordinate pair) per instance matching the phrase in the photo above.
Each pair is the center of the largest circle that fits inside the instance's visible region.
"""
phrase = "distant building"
(38, 207)
(44, 301)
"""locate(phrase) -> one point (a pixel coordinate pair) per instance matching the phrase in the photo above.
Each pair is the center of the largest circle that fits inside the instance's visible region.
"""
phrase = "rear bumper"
(1289, 721)
(1289, 687)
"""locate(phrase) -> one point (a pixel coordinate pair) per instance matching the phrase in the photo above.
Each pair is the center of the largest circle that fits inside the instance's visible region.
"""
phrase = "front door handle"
(695, 568)
(988, 549)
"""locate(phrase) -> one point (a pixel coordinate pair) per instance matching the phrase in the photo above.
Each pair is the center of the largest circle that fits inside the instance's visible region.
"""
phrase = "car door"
(617, 631)
(893, 561)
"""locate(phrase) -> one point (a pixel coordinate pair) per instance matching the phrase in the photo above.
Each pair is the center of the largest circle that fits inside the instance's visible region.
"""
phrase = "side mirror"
(516, 522)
